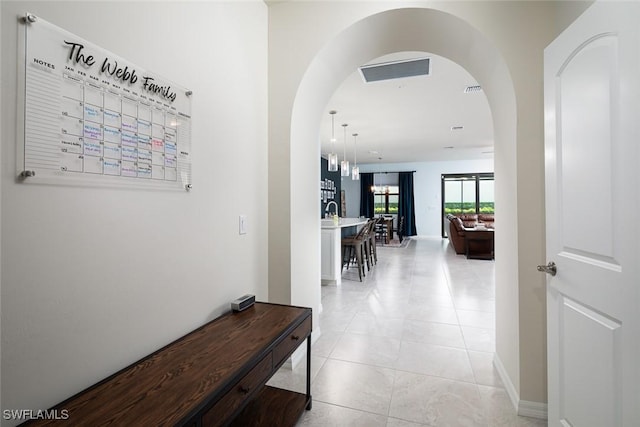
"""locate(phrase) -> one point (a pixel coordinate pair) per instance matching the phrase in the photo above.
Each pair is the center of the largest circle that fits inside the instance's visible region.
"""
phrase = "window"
(467, 194)
(486, 201)
(459, 196)
(385, 199)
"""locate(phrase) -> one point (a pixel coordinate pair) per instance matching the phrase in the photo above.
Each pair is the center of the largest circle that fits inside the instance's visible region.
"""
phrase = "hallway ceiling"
(411, 119)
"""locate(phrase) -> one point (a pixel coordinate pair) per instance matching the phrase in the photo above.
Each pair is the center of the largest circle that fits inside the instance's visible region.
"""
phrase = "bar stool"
(372, 250)
(354, 248)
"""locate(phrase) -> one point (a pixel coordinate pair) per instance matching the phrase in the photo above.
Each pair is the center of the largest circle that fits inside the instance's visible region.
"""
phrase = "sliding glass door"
(466, 194)
(486, 200)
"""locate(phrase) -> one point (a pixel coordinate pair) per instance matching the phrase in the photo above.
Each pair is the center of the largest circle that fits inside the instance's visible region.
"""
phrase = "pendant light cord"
(345, 142)
(355, 150)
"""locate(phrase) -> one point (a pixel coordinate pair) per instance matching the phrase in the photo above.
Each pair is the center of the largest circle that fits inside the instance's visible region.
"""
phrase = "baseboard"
(506, 380)
(523, 408)
(533, 409)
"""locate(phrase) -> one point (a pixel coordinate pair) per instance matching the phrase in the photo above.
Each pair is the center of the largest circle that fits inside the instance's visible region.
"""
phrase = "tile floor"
(410, 346)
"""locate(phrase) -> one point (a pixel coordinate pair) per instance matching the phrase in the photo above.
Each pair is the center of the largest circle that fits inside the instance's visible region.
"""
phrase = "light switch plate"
(242, 224)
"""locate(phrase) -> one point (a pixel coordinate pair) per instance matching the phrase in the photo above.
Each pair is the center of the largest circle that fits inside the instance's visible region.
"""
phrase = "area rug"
(395, 243)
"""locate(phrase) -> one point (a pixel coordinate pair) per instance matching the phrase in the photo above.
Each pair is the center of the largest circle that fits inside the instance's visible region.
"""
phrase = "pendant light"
(355, 172)
(344, 165)
(333, 156)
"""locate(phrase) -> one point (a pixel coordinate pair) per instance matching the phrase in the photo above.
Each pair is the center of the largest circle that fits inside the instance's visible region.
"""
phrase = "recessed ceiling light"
(457, 127)
(373, 152)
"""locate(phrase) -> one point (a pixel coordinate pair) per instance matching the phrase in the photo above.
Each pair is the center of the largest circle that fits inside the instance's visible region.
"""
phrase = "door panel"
(592, 105)
(586, 85)
(590, 342)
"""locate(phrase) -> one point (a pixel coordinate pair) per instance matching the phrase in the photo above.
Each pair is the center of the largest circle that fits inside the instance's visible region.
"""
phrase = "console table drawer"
(231, 401)
(291, 341)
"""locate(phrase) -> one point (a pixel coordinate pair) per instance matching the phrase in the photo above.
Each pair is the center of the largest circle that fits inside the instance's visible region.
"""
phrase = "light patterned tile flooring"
(410, 346)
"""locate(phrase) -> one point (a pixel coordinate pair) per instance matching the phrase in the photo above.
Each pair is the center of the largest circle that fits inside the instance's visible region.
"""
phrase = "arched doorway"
(294, 273)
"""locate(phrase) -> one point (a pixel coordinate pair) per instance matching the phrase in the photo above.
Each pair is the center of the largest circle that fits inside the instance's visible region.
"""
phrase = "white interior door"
(592, 109)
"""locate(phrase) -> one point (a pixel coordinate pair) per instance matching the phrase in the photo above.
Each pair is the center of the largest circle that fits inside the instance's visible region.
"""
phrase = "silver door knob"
(549, 268)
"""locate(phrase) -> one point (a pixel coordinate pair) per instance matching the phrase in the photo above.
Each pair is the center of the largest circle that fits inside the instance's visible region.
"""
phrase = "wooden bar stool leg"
(344, 254)
(350, 255)
(374, 251)
(365, 248)
(359, 262)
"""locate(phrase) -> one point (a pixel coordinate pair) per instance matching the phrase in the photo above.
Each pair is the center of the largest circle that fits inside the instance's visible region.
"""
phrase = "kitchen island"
(331, 247)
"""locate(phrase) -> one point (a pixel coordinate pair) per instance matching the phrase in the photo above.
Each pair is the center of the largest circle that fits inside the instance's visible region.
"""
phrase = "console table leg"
(309, 372)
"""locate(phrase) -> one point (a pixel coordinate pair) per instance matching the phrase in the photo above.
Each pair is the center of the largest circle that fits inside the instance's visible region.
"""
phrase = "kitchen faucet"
(326, 210)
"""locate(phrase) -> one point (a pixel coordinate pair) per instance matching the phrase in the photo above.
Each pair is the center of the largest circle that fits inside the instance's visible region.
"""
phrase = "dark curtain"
(406, 206)
(366, 195)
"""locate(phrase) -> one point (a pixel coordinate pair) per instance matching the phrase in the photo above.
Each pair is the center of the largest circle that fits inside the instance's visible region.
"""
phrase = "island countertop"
(343, 222)
(331, 254)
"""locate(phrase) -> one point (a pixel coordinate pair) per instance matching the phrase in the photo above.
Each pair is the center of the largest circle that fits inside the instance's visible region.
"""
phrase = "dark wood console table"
(213, 376)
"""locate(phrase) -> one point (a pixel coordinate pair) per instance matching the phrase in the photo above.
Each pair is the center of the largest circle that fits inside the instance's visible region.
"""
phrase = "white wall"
(426, 188)
(94, 278)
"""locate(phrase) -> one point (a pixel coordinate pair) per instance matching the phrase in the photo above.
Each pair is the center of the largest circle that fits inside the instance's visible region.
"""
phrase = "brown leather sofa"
(458, 223)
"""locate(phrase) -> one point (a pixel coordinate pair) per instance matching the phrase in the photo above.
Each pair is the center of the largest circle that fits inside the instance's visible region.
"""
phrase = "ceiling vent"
(396, 70)
(472, 89)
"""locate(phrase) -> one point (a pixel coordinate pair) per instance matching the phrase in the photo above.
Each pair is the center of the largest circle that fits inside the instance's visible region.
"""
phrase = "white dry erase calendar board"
(91, 117)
